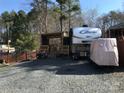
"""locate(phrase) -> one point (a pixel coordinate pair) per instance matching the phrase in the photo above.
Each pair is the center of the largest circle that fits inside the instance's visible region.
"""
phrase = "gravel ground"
(61, 76)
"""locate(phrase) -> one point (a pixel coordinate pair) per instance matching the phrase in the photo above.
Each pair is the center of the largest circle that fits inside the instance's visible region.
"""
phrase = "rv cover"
(104, 52)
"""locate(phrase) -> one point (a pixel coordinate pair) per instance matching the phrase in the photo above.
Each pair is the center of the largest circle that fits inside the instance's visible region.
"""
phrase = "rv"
(81, 40)
(75, 43)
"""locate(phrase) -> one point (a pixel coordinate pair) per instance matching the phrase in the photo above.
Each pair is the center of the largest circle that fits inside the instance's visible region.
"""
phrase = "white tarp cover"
(104, 52)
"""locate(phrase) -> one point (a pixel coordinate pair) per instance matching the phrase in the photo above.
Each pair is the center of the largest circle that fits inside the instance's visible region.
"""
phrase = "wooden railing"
(64, 50)
(9, 58)
(44, 48)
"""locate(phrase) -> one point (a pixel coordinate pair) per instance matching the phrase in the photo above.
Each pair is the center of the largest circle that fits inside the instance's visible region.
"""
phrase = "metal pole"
(8, 44)
(8, 50)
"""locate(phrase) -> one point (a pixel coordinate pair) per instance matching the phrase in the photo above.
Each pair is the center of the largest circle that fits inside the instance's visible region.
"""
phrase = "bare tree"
(90, 17)
(110, 19)
(40, 7)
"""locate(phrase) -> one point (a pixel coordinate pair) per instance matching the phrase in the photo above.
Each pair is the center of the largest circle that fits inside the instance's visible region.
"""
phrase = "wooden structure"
(55, 44)
(12, 57)
(117, 32)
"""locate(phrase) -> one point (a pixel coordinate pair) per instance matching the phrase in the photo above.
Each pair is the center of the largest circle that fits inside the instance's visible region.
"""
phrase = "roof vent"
(85, 25)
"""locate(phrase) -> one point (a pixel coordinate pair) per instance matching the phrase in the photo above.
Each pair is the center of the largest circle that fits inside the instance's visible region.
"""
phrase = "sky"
(16, 5)
(103, 6)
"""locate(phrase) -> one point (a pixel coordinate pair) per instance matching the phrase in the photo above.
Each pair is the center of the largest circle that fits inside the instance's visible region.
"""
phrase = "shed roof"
(118, 26)
(53, 35)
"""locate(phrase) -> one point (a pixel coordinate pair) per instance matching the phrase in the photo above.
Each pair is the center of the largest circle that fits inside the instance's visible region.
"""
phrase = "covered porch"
(117, 32)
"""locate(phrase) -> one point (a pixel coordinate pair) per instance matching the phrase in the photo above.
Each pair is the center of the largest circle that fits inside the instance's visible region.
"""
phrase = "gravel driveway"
(61, 76)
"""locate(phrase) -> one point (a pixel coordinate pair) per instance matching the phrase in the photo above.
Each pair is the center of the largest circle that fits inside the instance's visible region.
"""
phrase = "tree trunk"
(61, 20)
(69, 23)
(46, 15)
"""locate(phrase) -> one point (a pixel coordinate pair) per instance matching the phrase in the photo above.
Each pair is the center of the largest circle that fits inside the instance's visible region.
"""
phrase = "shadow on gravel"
(69, 67)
